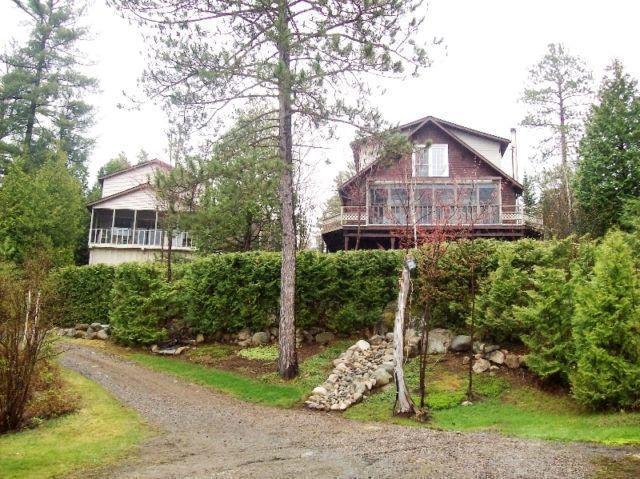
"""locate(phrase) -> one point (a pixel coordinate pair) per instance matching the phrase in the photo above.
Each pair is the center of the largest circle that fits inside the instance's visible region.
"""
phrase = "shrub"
(85, 292)
(143, 304)
(547, 316)
(499, 294)
(606, 328)
(260, 353)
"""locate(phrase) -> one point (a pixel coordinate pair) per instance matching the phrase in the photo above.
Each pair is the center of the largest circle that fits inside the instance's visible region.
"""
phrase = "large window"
(431, 161)
(436, 203)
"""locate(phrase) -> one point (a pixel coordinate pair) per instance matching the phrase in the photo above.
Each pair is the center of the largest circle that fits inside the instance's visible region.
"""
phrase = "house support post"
(113, 225)
(393, 242)
(91, 227)
(346, 243)
(135, 220)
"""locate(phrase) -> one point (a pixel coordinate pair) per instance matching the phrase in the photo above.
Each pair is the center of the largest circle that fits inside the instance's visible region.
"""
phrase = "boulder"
(389, 336)
(439, 341)
(88, 335)
(244, 334)
(512, 361)
(199, 338)
(96, 326)
(376, 339)
(325, 337)
(388, 366)
(245, 343)
(89, 330)
(102, 334)
(489, 348)
(496, 357)
(362, 345)
(82, 326)
(78, 333)
(260, 338)
(478, 347)
(466, 360)
(460, 343)
(382, 377)
(481, 365)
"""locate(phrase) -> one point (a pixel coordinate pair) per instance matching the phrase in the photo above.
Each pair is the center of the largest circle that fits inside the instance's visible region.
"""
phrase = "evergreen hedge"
(85, 293)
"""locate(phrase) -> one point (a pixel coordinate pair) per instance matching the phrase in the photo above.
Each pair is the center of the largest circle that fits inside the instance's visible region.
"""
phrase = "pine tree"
(305, 60)
(41, 105)
(608, 173)
(606, 327)
(559, 87)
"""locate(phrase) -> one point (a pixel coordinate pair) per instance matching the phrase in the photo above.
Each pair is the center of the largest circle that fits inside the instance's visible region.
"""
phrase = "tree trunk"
(424, 342)
(564, 154)
(472, 327)
(169, 256)
(404, 404)
(287, 360)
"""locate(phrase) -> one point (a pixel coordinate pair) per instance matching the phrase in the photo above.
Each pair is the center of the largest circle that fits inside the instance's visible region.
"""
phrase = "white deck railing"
(452, 215)
(141, 238)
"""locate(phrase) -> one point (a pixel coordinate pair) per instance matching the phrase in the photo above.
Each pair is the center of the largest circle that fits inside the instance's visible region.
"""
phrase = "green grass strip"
(99, 433)
(242, 387)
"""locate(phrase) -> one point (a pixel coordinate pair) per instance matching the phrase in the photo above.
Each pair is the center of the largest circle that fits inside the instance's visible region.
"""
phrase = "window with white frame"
(439, 160)
(431, 161)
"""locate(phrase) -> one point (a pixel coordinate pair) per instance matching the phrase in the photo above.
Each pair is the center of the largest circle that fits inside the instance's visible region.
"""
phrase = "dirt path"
(206, 435)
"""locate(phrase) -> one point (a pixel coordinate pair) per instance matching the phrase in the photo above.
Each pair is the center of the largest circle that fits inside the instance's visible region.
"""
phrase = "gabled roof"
(160, 163)
(413, 127)
(141, 186)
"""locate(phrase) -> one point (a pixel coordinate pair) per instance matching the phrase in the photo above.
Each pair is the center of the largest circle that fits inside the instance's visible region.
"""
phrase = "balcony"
(377, 216)
(139, 238)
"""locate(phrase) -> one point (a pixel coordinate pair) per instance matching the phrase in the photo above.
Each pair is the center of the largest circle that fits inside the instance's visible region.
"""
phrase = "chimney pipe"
(514, 155)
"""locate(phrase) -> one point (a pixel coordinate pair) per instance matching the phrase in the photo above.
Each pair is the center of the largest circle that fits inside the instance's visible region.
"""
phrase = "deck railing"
(429, 215)
(142, 238)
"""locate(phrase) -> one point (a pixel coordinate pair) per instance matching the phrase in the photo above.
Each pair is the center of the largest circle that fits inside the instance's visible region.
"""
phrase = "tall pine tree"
(608, 173)
(41, 94)
(306, 60)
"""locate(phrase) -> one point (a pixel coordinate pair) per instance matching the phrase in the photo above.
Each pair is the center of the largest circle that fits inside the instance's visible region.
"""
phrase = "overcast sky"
(476, 79)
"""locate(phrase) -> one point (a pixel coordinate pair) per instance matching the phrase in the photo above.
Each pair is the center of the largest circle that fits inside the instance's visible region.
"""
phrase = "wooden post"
(346, 243)
(135, 218)
(91, 226)
(113, 225)
(393, 242)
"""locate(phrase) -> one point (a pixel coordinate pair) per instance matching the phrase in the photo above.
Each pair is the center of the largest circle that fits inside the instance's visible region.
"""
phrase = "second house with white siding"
(126, 220)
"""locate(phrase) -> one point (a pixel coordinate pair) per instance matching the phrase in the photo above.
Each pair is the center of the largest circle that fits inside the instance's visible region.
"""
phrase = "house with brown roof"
(126, 221)
(456, 178)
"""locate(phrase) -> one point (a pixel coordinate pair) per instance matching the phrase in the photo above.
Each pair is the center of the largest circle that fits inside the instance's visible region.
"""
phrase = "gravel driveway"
(207, 434)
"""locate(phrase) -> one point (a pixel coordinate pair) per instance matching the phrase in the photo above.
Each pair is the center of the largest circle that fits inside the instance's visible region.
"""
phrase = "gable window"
(431, 161)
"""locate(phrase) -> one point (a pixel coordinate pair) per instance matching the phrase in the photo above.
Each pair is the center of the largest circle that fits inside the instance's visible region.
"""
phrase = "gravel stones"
(362, 367)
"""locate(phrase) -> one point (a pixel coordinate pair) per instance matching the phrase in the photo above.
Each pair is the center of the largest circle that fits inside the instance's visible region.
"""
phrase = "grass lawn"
(509, 407)
(99, 433)
(266, 389)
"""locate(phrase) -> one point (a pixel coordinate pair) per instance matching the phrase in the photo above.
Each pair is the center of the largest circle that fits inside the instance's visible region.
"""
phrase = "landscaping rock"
(244, 334)
(494, 368)
(489, 348)
(512, 361)
(389, 336)
(96, 326)
(361, 367)
(82, 326)
(376, 339)
(324, 337)
(466, 360)
(102, 334)
(245, 343)
(89, 335)
(481, 365)
(260, 339)
(496, 357)
(199, 338)
(461, 343)
(478, 347)
(439, 341)
(382, 377)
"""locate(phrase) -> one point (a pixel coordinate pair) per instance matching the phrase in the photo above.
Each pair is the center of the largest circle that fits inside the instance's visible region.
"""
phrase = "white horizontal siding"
(488, 148)
(144, 199)
(127, 180)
